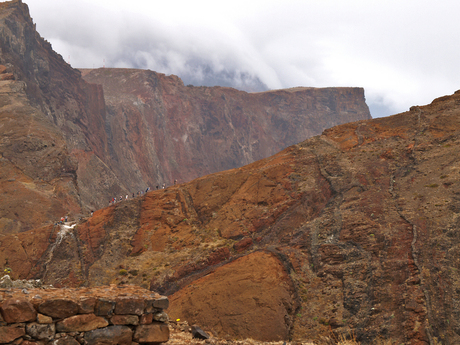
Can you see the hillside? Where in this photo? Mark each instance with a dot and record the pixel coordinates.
(354, 230)
(76, 144)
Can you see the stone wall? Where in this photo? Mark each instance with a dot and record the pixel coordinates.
(110, 315)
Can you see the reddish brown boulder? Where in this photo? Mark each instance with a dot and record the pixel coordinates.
(7, 76)
(41, 331)
(129, 305)
(125, 320)
(18, 310)
(86, 305)
(81, 323)
(10, 333)
(120, 335)
(59, 308)
(43, 319)
(146, 319)
(243, 244)
(104, 307)
(153, 333)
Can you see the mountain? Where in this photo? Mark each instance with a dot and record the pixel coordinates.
(354, 231)
(70, 145)
(161, 131)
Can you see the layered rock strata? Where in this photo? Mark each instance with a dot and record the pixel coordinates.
(183, 132)
(355, 230)
(72, 145)
(108, 315)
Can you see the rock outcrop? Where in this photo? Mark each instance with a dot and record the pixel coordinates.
(69, 146)
(161, 130)
(355, 230)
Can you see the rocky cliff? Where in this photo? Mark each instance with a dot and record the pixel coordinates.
(161, 130)
(354, 231)
(69, 145)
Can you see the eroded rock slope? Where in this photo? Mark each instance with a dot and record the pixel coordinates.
(74, 144)
(355, 230)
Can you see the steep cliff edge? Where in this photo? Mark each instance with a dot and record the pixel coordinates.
(355, 230)
(153, 129)
(65, 102)
(160, 130)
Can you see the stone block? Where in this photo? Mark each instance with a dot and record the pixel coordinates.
(44, 319)
(30, 342)
(120, 335)
(146, 319)
(7, 76)
(41, 331)
(125, 320)
(155, 333)
(152, 306)
(161, 317)
(104, 307)
(58, 308)
(129, 306)
(18, 310)
(67, 341)
(81, 323)
(87, 305)
(11, 333)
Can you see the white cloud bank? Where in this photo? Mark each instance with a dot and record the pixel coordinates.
(403, 53)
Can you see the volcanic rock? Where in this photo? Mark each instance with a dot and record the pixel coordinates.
(198, 333)
(19, 310)
(74, 145)
(353, 230)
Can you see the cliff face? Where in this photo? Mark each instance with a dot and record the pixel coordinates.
(152, 130)
(160, 130)
(59, 100)
(355, 230)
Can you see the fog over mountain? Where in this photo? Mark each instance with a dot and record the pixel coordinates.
(401, 53)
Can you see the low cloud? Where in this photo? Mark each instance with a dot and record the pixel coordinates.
(401, 53)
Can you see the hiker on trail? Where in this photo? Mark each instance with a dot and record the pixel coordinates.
(66, 219)
(92, 213)
(157, 187)
(62, 220)
(175, 181)
(164, 184)
(126, 197)
(133, 195)
(121, 197)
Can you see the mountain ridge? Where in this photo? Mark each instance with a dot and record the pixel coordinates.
(357, 229)
(119, 145)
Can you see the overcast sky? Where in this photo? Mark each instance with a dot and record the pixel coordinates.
(402, 52)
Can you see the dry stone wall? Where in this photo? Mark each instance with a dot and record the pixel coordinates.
(122, 314)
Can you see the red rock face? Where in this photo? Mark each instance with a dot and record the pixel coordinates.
(75, 145)
(254, 291)
(353, 230)
(183, 132)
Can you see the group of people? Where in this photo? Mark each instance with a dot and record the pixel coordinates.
(64, 220)
(139, 193)
(114, 200)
